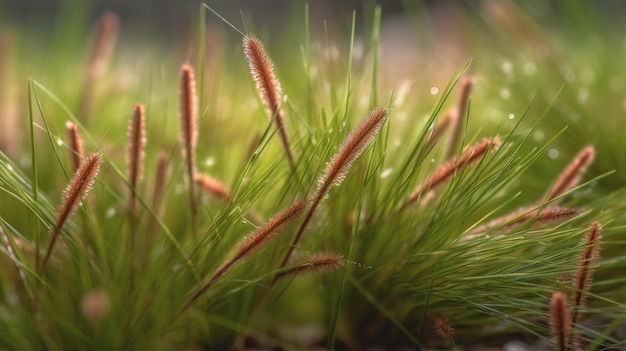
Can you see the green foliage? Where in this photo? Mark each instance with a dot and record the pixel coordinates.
(403, 267)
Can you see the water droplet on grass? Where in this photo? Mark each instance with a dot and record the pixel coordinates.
(511, 116)
(110, 212)
(529, 68)
(539, 135)
(505, 93)
(210, 161)
(386, 173)
(434, 91)
(553, 153)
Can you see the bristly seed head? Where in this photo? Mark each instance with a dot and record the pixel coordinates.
(559, 321)
(319, 262)
(136, 145)
(572, 174)
(188, 115)
(268, 87)
(76, 191)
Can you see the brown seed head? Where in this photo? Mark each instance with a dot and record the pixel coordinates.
(267, 85)
(445, 172)
(212, 185)
(317, 263)
(188, 115)
(572, 174)
(559, 320)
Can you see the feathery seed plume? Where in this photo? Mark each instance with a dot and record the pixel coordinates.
(268, 86)
(76, 191)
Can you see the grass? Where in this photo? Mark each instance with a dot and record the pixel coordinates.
(306, 198)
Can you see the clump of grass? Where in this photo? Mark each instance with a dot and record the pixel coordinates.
(419, 230)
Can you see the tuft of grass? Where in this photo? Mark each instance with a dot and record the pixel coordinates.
(457, 220)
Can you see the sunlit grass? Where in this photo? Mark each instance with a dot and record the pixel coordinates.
(185, 282)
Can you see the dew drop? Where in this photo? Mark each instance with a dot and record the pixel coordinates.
(506, 67)
(434, 91)
(385, 173)
(511, 116)
(539, 135)
(553, 153)
(210, 161)
(59, 141)
(110, 212)
(529, 68)
(505, 93)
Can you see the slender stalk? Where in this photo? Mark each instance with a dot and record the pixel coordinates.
(353, 146)
(74, 193)
(268, 87)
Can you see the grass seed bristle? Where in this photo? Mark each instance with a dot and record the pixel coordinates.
(77, 189)
(559, 320)
(268, 87)
(572, 174)
(317, 263)
(188, 126)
